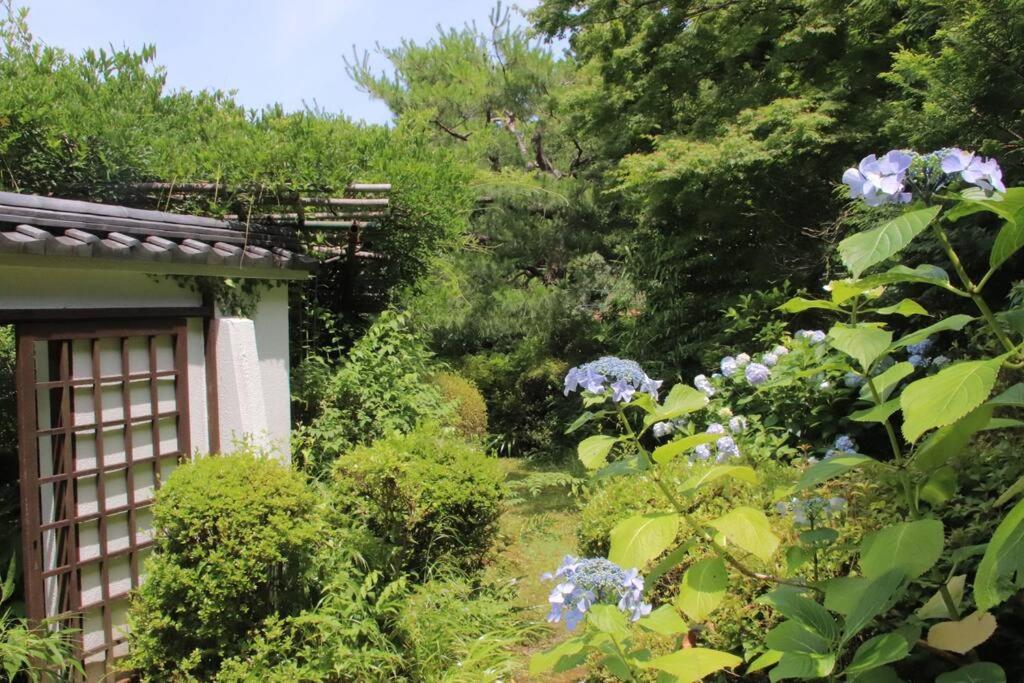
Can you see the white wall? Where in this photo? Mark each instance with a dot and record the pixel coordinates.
(271, 322)
(59, 288)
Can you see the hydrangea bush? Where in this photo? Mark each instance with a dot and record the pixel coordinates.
(925, 406)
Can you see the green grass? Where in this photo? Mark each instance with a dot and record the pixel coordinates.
(537, 530)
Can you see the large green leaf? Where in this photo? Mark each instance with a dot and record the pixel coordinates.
(742, 473)
(1005, 205)
(562, 657)
(1008, 242)
(693, 664)
(1014, 490)
(863, 250)
(703, 588)
(978, 672)
(672, 449)
(593, 450)
(802, 666)
(912, 548)
(664, 621)
(667, 563)
(872, 599)
(878, 651)
(947, 396)
(1014, 397)
(681, 400)
(608, 619)
(879, 413)
(799, 304)
(749, 529)
(923, 274)
(886, 382)
(1003, 558)
(789, 636)
(953, 323)
(843, 593)
(949, 441)
(831, 468)
(906, 308)
(638, 540)
(935, 607)
(865, 343)
(790, 603)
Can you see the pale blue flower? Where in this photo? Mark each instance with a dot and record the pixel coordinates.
(917, 360)
(727, 448)
(814, 509)
(742, 359)
(662, 429)
(701, 452)
(780, 350)
(715, 428)
(770, 359)
(852, 380)
(628, 376)
(729, 366)
(845, 443)
(811, 336)
(704, 384)
(738, 424)
(589, 581)
(940, 361)
(921, 348)
(757, 374)
(622, 391)
(985, 173)
(880, 181)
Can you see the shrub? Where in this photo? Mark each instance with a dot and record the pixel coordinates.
(382, 386)
(235, 542)
(427, 495)
(469, 411)
(452, 631)
(8, 408)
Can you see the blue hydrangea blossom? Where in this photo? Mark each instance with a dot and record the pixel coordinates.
(973, 169)
(770, 359)
(588, 581)
(738, 424)
(880, 181)
(702, 383)
(757, 374)
(811, 336)
(808, 511)
(852, 380)
(729, 366)
(626, 377)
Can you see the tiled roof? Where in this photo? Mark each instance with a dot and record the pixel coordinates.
(31, 224)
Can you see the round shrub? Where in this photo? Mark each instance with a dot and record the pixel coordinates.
(429, 496)
(469, 414)
(236, 537)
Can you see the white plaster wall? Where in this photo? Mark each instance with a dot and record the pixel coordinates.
(198, 414)
(271, 323)
(59, 288)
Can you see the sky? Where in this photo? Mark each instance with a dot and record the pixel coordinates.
(286, 51)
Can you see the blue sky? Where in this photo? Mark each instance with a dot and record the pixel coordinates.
(287, 51)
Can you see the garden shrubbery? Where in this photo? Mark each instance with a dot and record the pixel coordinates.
(431, 497)
(469, 411)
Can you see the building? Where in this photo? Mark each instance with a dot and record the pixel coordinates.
(127, 364)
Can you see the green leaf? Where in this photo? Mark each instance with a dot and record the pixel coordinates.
(681, 400)
(566, 655)
(819, 537)
(923, 274)
(586, 417)
(863, 250)
(878, 651)
(883, 674)
(638, 540)
(1009, 494)
(799, 304)
(608, 619)
(749, 529)
(741, 473)
(825, 470)
(936, 608)
(1003, 558)
(978, 672)
(703, 588)
(911, 548)
(948, 442)
(593, 450)
(945, 397)
(906, 308)
(1005, 204)
(693, 664)
(666, 452)
(939, 487)
(800, 665)
(789, 636)
(1013, 397)
(1003, 423)
(664, 621)
(953, 323)
(887, 381)
(764, 660)
(873, 599)
(791, 604)
(879, 413)
(843, 593)
(865, 343)
(1008, 242)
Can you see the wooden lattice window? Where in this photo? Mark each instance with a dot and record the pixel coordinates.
(103, 418)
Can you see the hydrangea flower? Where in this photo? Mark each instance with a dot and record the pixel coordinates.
(727, 448)
(628, 378)
(811, 336)
(702, 383)
(738, 424)
(757, 374)
(742, 359)
(725, 411)
(940, 361)
(662, 429)
(852, 380)
(588, 581)
(769, 359)
(701, 452)
(920, 348)
(917, 360)
(715, 428)
(845, 443)
(780, 350)
(880, 181)
(985, 173)
(811, 510)
(729, 366)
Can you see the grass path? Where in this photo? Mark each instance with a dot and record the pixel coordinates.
(537, 532)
